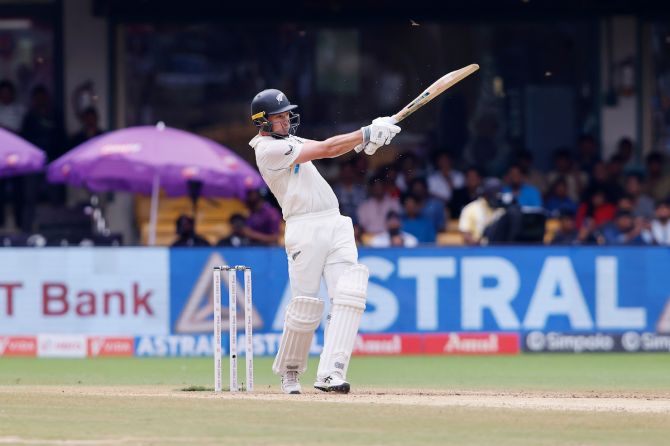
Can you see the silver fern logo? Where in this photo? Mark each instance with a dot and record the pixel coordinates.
(280, 97)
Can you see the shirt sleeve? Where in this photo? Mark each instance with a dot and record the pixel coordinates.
(535, 197)
(280, 154)
(409, 240)
(464, 222)
(379, 241)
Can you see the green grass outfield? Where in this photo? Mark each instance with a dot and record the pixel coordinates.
(140, 401)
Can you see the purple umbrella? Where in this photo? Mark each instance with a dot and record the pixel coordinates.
(18, 156)
(143, 159)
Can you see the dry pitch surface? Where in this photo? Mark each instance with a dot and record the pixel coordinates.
(594, 401)
(88, 413)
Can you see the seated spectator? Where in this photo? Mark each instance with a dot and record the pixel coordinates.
(478, 214)
(409, 168)
(11, 112)
(564, 167)
(626, 203)
(626, 151)
(186, 235)
(263, 220)
(533, 176)
(525, 194)
(238, 237)
(372, 212)
(658, 232)
(643, 205)
(415, 222)
(389, 173)
(600, 179)
(466, 194)
(445, 179)
(393, 235)
(567, 233)
(595, 210)
(624, 230)
(658, 183)
(349, 193)
(588, 153)
(615, 168)
(432, 209)
(558, 200)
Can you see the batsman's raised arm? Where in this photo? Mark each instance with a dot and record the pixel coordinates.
(370, 138)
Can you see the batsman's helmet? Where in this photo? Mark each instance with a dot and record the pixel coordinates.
(270, 102)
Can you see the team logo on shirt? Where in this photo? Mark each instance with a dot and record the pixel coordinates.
(290, 150)
(280, 97)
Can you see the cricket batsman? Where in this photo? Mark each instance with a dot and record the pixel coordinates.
(319, 241)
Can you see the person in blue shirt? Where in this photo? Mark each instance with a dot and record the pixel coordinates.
(624, 230)
(557, 199)
(432, 208)
(414, 222)
(525, 194)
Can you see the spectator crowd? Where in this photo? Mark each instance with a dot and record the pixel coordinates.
(414, 199)
(590, 201)
(410, 201)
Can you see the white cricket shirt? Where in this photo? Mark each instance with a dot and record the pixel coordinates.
(299, 188)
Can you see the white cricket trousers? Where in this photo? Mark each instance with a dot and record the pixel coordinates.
(318, 244)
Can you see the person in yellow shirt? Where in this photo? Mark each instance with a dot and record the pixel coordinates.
(480, 213)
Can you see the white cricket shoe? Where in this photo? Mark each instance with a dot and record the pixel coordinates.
(333, 383)
(290, 384)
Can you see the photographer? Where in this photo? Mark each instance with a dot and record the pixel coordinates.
(514, 223)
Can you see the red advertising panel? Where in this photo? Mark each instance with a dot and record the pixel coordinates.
(110, 346)
(387, 344)
(437, 344)
(18, 346)
(471, 343)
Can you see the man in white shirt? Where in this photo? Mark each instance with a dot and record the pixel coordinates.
(372, 211)
(442, 182)
(658, 232)
(394, 236)
(318, 240)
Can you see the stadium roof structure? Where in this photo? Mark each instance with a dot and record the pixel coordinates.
(370, 10)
